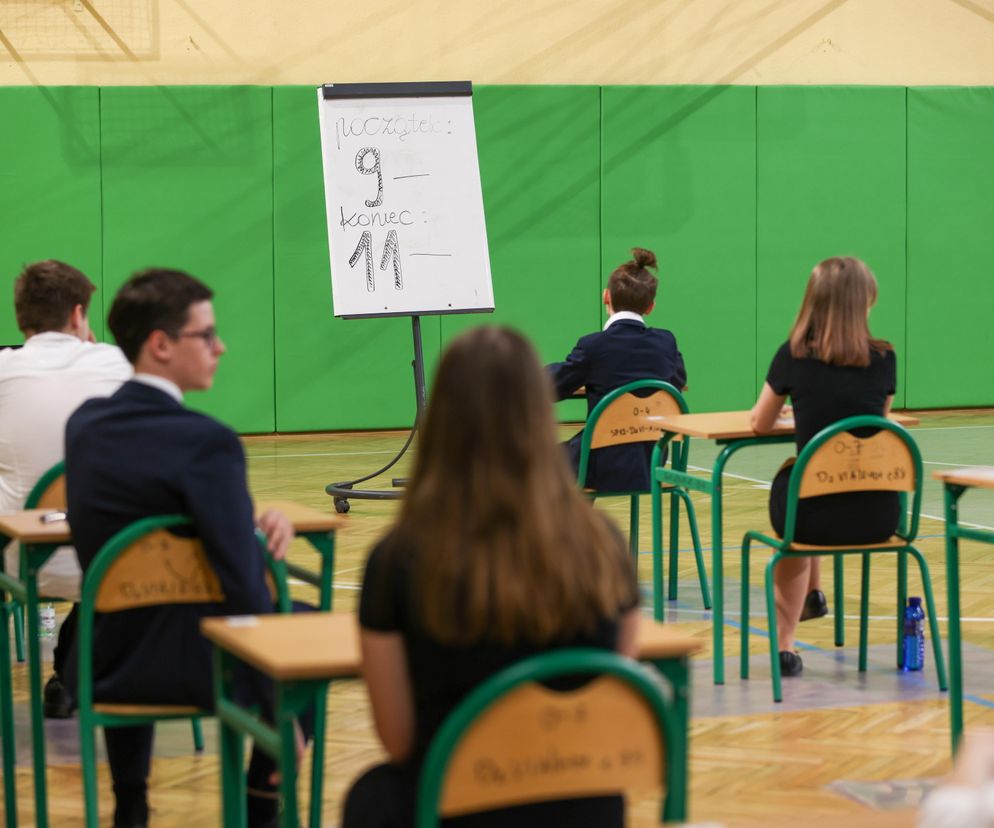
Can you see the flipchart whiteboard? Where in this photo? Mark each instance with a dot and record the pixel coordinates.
(406, 228)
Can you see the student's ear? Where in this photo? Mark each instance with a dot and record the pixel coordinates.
(606, 298)
(648, 310)
(159, 346)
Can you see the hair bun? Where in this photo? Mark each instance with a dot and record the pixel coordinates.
(643, 257)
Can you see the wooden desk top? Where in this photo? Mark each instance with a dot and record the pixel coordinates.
(304, 518)
(867, 818)
(735, 425)
(319, 645)
(981, 477)
(27, 527)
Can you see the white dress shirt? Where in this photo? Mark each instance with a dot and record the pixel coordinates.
(41, 384)
(614, 317)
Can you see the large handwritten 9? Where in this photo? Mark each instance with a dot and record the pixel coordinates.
(360, 165)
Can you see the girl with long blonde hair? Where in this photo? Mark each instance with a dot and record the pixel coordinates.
(831, 368)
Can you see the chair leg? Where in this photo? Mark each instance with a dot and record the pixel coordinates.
(198, 735)
(19, 632)
(633, 532)
(656, 497)
(902, 602)
(771, 620)
(702, 574)
(839, 574)
(7, 721)
(88, 762)
(674, 543)
(864, 610)
(933, 621)
(744, 617)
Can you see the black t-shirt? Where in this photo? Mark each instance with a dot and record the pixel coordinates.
(442, 674)
(823, 394)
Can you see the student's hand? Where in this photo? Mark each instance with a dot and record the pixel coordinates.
(278, 531)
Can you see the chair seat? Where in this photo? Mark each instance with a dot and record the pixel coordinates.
(895, 541)
(178, 710)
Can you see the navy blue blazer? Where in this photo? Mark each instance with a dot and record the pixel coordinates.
(140, 453)
(627, 351)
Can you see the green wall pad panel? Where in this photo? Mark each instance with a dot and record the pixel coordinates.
(679, 177)
(49, 188)
(950, 247)
(830, 182)
(330, 373)
(539, 149)
(187, 184)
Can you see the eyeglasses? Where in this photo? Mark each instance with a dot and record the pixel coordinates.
(209, 335)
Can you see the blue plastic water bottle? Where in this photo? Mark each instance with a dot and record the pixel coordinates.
(914, 635)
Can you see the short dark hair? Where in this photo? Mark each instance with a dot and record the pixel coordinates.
(156, 299)
(632, 286)
(45, 294)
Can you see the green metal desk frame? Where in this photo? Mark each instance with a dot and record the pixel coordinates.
(13, 591)
(954, 532)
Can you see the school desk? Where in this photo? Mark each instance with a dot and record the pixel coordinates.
(38, 541)
(303, 652)
(733, 431)
(955, 482)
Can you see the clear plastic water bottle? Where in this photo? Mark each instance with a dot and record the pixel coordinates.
(46, 620)
(914, 635)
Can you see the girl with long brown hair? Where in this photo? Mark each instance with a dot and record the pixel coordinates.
(496, 555)
(831, 368)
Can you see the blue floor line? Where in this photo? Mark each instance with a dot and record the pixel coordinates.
(977, 700)
(738, 549)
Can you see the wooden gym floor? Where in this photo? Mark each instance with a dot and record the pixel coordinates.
(839, 744)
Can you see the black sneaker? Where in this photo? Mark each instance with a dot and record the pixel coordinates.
(57, 702)
(790, 664)
(815, 605)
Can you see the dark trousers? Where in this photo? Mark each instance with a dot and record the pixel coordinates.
(384, 797)
(66, 641)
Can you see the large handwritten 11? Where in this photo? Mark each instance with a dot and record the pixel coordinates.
(391, 248)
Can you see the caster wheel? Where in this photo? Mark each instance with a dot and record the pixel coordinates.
(341, 505)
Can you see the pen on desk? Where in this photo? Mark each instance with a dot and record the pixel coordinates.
(53, 517)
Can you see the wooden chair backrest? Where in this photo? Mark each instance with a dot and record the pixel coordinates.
(846, 463)
(537, 744)
(54, 496)
(159, 568)
(631, 419)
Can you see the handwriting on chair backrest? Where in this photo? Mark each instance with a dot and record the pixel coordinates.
(846, 463)
(159, 568)
(54, 497)
(631, 419)
(537, 744)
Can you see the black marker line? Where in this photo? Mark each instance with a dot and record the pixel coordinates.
(418, 175)
(443, 255)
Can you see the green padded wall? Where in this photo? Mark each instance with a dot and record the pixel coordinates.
(679, 177)
(950, 247)
(188, 183)
(830, 181)
(49, 188)
(539, 149)
(330, 373)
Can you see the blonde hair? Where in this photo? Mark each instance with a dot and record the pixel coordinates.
(832, 323)
(505, 547)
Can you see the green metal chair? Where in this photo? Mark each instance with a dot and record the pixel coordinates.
(48, 493)
(624, 416)
(607, 736)
(143, 553)
(834, 461)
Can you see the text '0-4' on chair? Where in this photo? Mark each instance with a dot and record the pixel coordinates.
(514, 741)
(635, 413)
(836, 461)
(144, 565)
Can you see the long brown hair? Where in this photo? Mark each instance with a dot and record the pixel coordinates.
(832, 323)
(506, 548)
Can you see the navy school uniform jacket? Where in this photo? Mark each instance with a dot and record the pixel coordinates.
(627, 351)
(137, 454)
